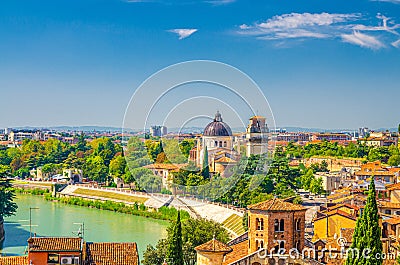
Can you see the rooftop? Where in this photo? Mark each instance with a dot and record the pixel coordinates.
(214, 246)
(276, 204)
(15, 260)
(55, 244)
(112, 254)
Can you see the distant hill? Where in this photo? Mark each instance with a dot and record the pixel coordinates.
(89, 128)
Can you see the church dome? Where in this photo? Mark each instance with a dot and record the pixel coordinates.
(217, 127)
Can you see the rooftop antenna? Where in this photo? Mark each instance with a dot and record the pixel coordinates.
(30, 220)
(81, 231)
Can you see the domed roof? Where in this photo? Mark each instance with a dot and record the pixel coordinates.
(217, 127)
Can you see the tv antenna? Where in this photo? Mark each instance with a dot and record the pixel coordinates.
(81, 231)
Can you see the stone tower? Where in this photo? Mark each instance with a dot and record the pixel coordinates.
(276, 224)
(212, 252)
(256, 135)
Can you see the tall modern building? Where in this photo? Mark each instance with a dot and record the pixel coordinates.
(158, 130)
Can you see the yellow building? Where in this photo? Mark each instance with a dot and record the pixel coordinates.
(329, 224)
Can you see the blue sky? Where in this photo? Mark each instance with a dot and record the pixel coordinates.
(325, 64)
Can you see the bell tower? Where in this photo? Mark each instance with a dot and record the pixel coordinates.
(257, 136)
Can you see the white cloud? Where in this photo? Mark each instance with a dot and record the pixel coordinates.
(183, 33)
(363, 40)
(396, 43)
(383, 27)
(220, 2)
(244, 26)
(296, 25)
(343, 27)
(296, 20)
(389, 1)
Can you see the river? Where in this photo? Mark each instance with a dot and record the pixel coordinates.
(57, 219)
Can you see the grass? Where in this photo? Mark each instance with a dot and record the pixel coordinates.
(110, 195)
(234, 223)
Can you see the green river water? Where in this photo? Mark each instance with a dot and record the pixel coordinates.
(57, 219)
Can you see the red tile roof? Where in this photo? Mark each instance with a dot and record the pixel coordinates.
(276, 205)
(112, 254)
(213, 246)
(55, 244)
(393, 221)
(14, 260)
(239, 251)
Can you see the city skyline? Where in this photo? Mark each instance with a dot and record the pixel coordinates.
(320, 65)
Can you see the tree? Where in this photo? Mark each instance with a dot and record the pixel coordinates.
(95, 169)
(316, 186)
(394, 160)
(205, 172)
(5, 171)
(7, 206)
(367, 234)
(398, 129)
(117, 166)
(174, 250)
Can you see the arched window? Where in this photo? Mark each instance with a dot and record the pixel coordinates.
(282, 245)
(257, 244)
(298, 224)
(220, 143)
(276, 225)
(282, 225)
(298, 245)
(225, 145)
(261, 244)
(216, 143)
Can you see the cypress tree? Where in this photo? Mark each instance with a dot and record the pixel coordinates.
(174, 250)
(205, 172)
(367, 234)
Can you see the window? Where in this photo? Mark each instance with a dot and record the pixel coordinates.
(282, 225)
(216, 144)
(282, 245)
(220, 143)
(298, 224)
(388, 212)
(262, 244)
(260, 224)
(276, 225)
(225, 145)
(53, 258)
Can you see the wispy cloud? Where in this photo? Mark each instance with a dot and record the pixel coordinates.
(295, 25)
(183, 33)
(363, 40)
(389, 1)
(396, 44)
(343, 27)
(383, 27)
(220, 2)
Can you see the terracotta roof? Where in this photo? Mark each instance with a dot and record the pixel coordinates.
(239, 251)
(214, 246)
(225, 160)
(276, 204)
(393, 187)
(351, 197)
(165, 166)
(347, 233)
(112, 254)
(14, 260)
(354, 207)
(55, 244)
(393, 221)
(391, 205)
(336, 212)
